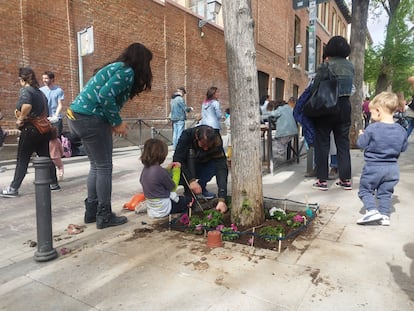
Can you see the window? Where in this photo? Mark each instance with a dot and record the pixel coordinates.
(280, 87)
(296, 38)
(202, 8)
(334, 22)
(318, 52)
(323, 13)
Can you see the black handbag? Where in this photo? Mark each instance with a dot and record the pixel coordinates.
(323, 101)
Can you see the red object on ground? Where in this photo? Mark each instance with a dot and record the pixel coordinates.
(136, 199)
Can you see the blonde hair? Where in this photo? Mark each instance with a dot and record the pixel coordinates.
(386, 100)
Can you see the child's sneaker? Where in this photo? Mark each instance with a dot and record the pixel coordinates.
(385, 221)
(320, 185)
(370, 216)
(346, 184)
(9, 192)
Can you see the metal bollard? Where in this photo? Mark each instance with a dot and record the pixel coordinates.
(45, 250)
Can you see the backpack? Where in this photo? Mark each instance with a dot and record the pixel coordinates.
(67, 148)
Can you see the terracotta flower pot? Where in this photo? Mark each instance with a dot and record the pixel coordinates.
(214, 239)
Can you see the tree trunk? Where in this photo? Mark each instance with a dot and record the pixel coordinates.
(358, 37)
(246, 167)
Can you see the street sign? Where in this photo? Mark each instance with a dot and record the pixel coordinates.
(300, 4)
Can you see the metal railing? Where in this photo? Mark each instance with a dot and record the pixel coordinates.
(141, 129)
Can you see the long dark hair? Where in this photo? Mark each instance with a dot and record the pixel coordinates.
(27, 75)
(211, 92)
(138, 57)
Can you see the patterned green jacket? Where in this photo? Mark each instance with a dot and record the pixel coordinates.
(106, 93)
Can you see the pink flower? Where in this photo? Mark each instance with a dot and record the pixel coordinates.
(199, 227)
(209, 217)
(234, 227)
(250, 241)
(298, 218)
(184, 219)
(219, 227)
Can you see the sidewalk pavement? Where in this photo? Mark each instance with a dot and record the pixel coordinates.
(341, 266)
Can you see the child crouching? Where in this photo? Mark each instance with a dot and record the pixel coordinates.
(159, 184)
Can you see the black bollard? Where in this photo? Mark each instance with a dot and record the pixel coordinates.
(45, 250)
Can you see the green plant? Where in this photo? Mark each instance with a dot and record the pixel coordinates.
(229, 233)
(295, 220)
(210, 219)
(271, 233)
(279, 216)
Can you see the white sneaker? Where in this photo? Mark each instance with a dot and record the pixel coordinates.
(370, 216)
(385, 221)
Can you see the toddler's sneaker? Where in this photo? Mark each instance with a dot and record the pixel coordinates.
(320, 185)
(9, 192)
(369, 217)
(385, 221)
(344, 184)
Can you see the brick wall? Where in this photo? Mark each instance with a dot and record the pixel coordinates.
(42, 34)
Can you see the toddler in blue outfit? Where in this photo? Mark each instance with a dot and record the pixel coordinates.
(382, 142)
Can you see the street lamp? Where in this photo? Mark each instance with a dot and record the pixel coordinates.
(298, 52)
(213, 7)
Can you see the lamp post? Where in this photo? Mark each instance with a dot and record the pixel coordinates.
(298, 52)
(213, 8)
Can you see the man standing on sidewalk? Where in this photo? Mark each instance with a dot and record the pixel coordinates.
(178, 114)
(55, 96)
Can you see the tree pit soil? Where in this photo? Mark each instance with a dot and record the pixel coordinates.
(247, 235)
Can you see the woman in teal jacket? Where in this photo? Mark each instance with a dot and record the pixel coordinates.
(95, 114)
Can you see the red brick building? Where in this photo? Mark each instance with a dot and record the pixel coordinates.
(43, 35)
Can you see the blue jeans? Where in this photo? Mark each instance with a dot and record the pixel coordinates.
(410, 126)
(96, 137)
(178, 128)
(205, 172)
(334, 161)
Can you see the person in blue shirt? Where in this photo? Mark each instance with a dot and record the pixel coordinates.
(95, 114)
(382, 142)
(211, 114)
(55, 97)
(178, 113)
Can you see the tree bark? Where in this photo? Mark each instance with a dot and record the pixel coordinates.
(357, 57)
(246, 169)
